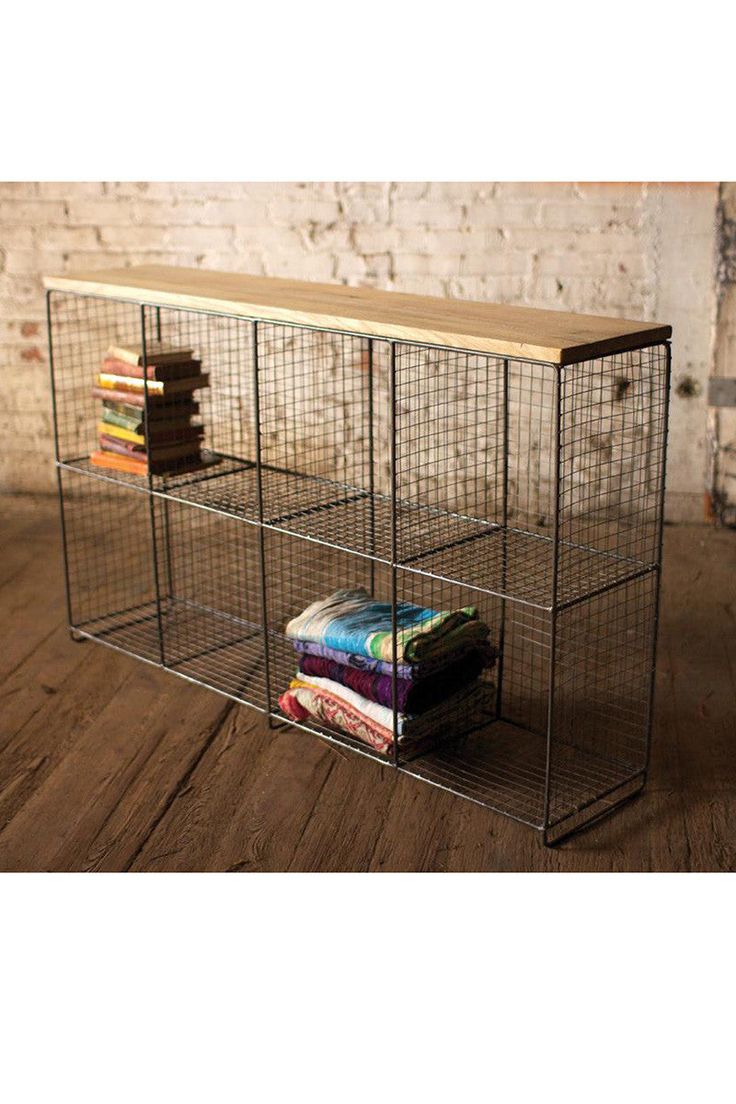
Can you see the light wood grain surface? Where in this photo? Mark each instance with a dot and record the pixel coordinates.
(553, 336)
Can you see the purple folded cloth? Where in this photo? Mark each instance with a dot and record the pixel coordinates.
(409, 671)
(414, 696)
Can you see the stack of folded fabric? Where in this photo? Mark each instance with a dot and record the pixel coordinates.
(146, 425)
(345, 650)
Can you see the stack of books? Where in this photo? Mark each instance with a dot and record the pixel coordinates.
(146, 426)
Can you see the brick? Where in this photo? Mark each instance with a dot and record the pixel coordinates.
(581, 216)
(20, 289)
(99, 212)
(235, 212)
(176, 189)
(17, 189)
(198, 237)
(618, 240)
(434, 215)
(112, 211)
(31, 212)
(318, 238)
(503, 213)
(33, 261)
(17, 235)
(429, 264)
(305, 267)
(575, 263)
(369, 205)
(68, 237)
(369, 239)
(132, 237)
(495, 262)
(300, 209)
(33, 353)
(450, 192)
(536, 190)
(49, 189)
(267, 238)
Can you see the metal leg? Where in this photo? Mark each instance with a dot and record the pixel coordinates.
(59, 486)
(505, 521)
(394, 586)
(151, 506)
(371, 464)
(660, 525)
(261, 535)
(557, 414)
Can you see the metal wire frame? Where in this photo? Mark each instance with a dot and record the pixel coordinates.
(527, 770)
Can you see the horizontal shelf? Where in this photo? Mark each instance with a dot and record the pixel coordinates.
(205, 646)
(503, 767)
(510, 563)
(500, 766)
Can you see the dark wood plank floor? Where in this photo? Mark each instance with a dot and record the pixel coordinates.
(109, 764)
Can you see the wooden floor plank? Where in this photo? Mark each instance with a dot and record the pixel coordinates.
(120, 759)
(110, 764)
(247, 803)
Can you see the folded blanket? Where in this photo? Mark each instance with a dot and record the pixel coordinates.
(340, 708)
(411, 671)
(413, 696)
(352, 621)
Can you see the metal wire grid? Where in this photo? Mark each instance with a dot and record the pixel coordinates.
(612, 440)
(81, 329)
(602, 682)
(535, 757)
(109, 564)
(475, 446)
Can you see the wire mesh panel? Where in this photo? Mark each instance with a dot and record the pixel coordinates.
(515, 505)
(212, 617)
(196, 416)
(110, 564)
(612, 440)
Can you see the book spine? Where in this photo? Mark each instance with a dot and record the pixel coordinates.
(129, 383)
(127, 397)
(120, 434)
(123, 421)
(119, 367)
(112, 460)
(115, 444)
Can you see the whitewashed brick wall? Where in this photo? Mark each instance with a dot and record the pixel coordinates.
(636, 250)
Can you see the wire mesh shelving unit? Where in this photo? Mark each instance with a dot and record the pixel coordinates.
(443, 454)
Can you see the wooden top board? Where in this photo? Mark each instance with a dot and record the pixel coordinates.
(547, 335)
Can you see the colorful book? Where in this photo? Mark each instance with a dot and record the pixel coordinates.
(133, 466)
(162, 372)
(156, 453)
(120, 433)
(132, 421)
(164, 417)
(115, 462)
(158, 405)
(114, 382)
(125, 448)
(160, 436)
(155, 354)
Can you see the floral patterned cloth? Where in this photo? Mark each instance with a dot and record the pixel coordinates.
(355, 716)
